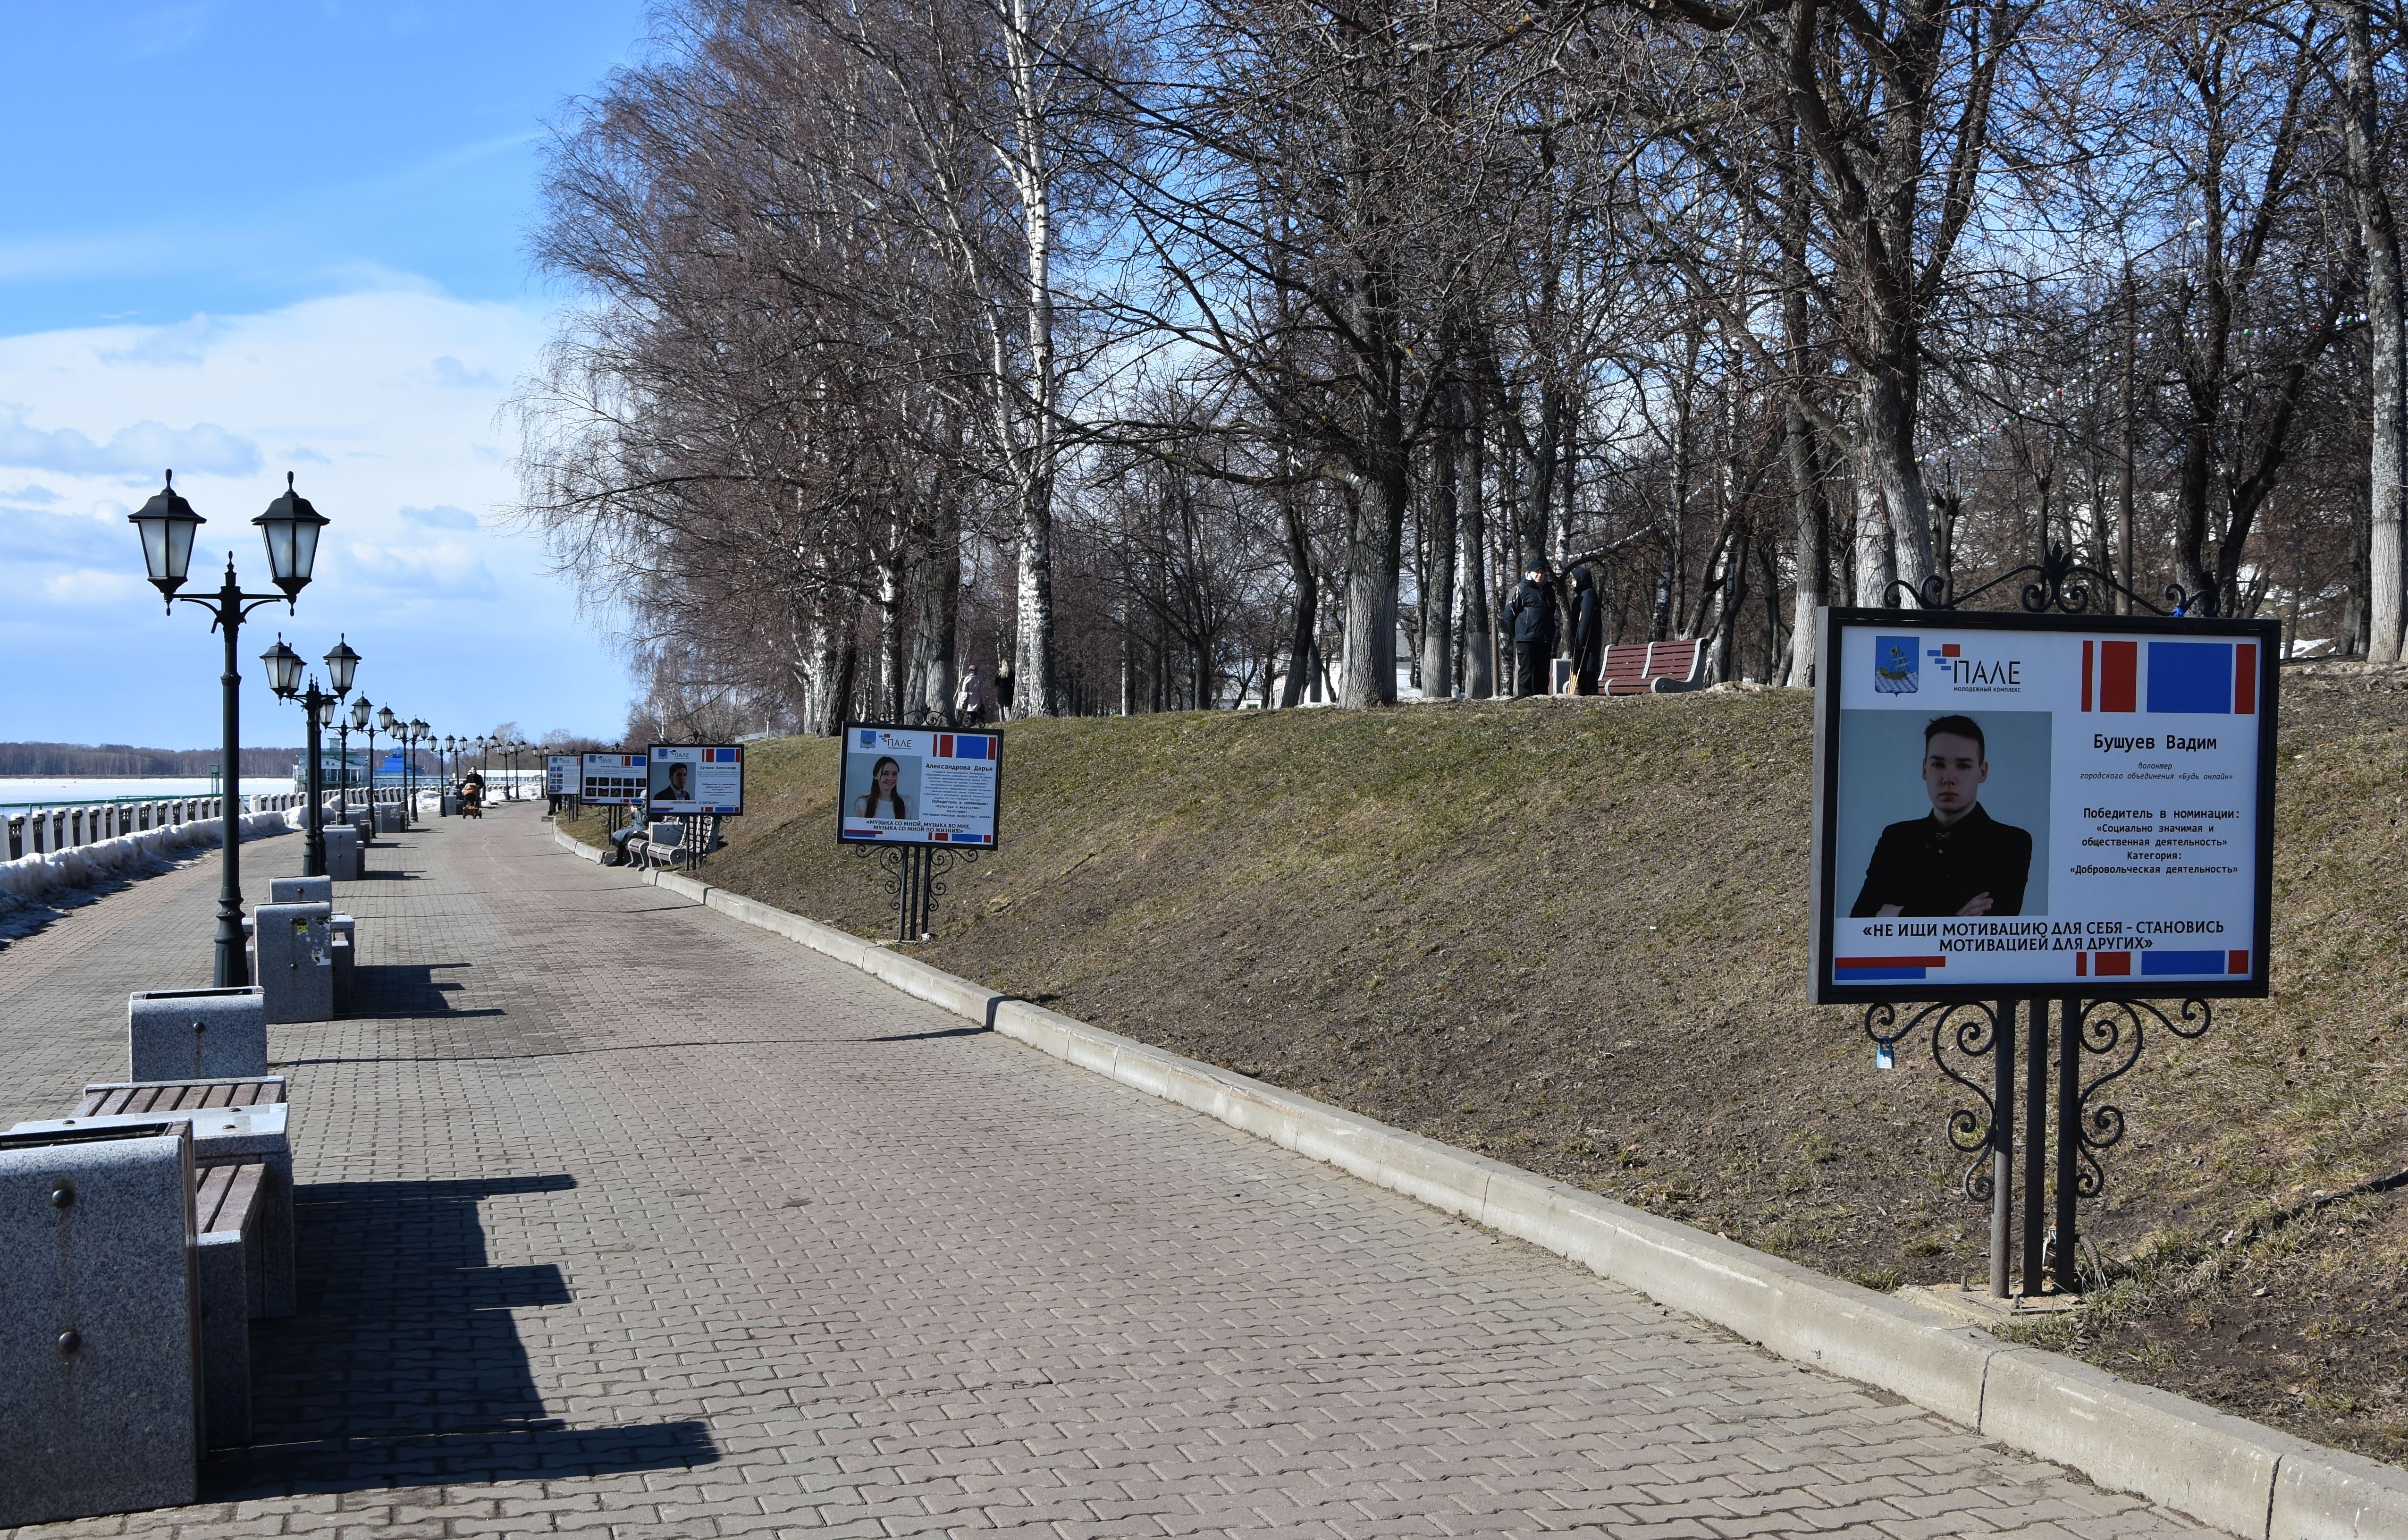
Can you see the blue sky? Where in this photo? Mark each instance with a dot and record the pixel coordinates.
(247, 238)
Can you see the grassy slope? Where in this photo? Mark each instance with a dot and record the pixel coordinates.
(1572, 934)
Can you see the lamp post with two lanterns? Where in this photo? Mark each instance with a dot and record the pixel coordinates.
(419, 732)
(392, 726)
(344, 725)
(284, 667)
(289, 528)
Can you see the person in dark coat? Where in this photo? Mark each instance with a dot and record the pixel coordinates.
(1957, 860)
(1531, 620)
(1588, 633)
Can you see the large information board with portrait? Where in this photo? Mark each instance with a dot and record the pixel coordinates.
(688, 779)
(918, 786)
(611, 779)
(2010, 805)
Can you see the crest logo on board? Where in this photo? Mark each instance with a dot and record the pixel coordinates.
(1896, 669)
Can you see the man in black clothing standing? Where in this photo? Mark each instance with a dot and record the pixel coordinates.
(1532, 619)
(1589, 635)
(1957, 860)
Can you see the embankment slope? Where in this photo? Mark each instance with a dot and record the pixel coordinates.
(1572, 934)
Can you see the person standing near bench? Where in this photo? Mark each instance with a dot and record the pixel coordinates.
(1588, 633)
(970, 707)
(1531, 616)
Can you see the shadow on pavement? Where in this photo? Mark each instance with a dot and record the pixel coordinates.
(404, 1367)
(407, 989)
(923, 1037)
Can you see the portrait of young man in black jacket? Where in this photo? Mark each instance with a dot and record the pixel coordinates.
(1957, 860)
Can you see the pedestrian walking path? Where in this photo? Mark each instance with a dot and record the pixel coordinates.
(622, 1219)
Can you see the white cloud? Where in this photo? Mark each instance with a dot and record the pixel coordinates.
(88, 585)
(145, 449)
(452, 374)
(416, 568)
(448, 568)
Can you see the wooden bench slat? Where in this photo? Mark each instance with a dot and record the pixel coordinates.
(209, 1195)
(237, 1188)
(217, 1096)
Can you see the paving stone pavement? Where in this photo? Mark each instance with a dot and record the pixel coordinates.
(622, 1219)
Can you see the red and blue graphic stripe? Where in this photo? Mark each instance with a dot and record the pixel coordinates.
(2181, 678)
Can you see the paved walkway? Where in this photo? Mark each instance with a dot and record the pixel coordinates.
(622, 1219)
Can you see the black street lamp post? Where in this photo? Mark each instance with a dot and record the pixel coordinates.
(283, 676)
(342, 666)
(364, 720)
(392, 727)
(344, 726)
(418, 732)
(289, 529)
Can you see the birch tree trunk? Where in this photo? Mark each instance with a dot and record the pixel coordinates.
(1438, 589)
(1479, 627)
(1038, 441)
(1814, 513)
(1876, 557)
(2362, 142)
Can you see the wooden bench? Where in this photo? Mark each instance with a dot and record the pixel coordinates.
(273, 1284)
(1653, 668)
(159, 1096)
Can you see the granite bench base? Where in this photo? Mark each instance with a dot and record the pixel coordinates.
(99, 1345)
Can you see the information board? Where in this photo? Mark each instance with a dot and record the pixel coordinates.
(2020, 804)
(914, 785)
(691, 778)
(611, 777)
(562, 775)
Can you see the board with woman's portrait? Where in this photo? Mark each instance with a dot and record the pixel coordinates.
(917, 786)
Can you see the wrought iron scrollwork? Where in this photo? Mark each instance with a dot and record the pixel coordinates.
(1963, 1033)
(2057, 582)
(2112, 1032)
(914, 878)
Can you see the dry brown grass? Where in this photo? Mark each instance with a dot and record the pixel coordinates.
(1572, 934)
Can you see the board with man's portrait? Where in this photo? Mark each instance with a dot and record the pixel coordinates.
(2012, 804)
(688, 780)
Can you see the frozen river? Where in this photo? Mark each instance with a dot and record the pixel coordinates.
(18, 792)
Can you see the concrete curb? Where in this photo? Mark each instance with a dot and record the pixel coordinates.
(2239, 1475)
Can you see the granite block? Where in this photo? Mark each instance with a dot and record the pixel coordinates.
(221, 1283)
(343, 843)
(195, 1035)
(301, 890)
(295, 961)
(99, 1346)
(387, 818)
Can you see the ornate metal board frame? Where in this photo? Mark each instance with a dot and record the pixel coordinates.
(1824, 905)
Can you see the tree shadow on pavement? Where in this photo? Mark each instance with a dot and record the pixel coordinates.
(403, 1366)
